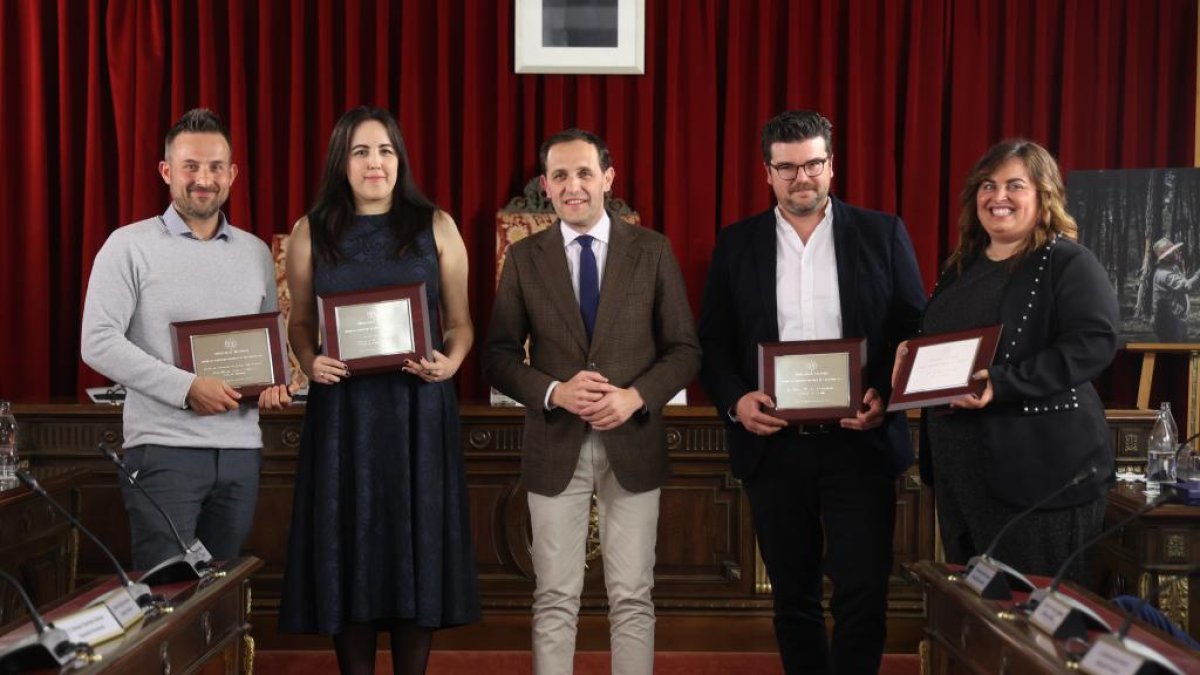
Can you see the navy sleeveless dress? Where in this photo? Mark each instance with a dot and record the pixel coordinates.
(380, 527)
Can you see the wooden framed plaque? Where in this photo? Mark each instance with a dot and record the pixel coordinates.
(376, 330)
(937, 368)
(248, 352)
(813, 380)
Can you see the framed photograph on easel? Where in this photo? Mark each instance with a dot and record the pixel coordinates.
(1144, 227)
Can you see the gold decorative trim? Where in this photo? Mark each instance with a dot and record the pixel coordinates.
(1173, 598)
(1176, 547)
(923, 650)
(1193, 418)
(534, 200)
(1130, 446)
(762, 582)
(247, 654)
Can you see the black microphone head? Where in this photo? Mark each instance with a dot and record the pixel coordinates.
(108, 452)
(28, 480)
(1085, 474)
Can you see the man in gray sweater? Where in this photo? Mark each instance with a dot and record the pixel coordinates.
(188, 439)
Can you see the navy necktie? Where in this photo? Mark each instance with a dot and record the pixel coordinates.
(589, 284)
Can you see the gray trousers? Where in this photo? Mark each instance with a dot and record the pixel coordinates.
(209, 493)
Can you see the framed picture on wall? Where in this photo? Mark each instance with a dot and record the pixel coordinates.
(580, 36)
(1144, 226)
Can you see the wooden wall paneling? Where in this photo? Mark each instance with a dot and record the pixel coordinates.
(705, 577)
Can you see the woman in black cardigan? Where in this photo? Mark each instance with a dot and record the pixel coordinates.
(1038, 422)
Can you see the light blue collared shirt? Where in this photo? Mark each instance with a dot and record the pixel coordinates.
(175, 225)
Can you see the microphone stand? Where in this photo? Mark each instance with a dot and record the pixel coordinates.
(1133, 657)
(1059, 614)
(127, 613)
(48, 647)
(192, 562)
(994, 580)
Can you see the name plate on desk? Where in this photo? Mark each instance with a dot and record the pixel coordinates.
(1050, 615)
(1107, 657)
(248, 352)
(988, 581)
(92, 626)
(375, 330)
(1064, 617)
(121, 605)
(813, 380)
(938, 368)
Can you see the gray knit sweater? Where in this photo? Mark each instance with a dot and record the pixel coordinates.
(147, 276)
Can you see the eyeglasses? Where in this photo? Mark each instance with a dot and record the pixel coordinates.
(812, 168)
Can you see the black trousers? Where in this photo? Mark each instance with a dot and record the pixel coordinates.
(826, 505)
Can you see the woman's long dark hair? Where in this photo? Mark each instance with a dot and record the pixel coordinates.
(333, 209)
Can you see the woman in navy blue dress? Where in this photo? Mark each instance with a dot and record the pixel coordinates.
(380, 538)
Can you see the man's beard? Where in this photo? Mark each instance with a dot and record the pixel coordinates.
(193, 210)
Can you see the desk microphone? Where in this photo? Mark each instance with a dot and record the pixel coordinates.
(139, 593)
(192, 562)
(1063, 616)
(48, 647)
(993, 579)
(1123, 652)
(1151, 597)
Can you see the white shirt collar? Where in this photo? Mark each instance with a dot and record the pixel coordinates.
(600, 231)
(782, 225)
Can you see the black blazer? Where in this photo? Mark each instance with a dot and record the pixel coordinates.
(1046, 423)
(882, 299)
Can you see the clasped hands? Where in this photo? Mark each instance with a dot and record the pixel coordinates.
(596, 401)
(751, 412)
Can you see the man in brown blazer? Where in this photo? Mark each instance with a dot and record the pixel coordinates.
(611, 339)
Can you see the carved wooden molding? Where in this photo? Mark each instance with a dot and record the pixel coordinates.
(534, 200)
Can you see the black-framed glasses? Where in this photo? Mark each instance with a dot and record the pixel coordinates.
(812, 168)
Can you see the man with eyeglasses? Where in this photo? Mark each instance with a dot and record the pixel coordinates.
(814, 268)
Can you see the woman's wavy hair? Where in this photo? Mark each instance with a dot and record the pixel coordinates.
(333, 210)
(1052, 200)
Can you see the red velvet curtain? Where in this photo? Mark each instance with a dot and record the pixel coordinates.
(917, 90)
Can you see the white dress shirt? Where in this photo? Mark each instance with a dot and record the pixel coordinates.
(600, 233)
(809, 305)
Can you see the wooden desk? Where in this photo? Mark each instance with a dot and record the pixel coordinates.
(966, 633)
(207, 631)
(1157, 549)
(711, 591)
(37, 544)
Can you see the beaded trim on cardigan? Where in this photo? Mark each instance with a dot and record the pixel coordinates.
(1026, 406)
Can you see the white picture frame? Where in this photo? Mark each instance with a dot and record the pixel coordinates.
(533, 26)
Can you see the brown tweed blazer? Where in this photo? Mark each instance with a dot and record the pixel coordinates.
(644, 337)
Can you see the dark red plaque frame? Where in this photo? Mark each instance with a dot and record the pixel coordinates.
(855, 348)
(419, 308)
(989, 339)
(183, 331)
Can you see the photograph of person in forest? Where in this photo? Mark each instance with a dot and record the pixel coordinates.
(1144, 226)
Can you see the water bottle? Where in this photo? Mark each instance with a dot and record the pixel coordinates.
(8, 447)
(1160, 465)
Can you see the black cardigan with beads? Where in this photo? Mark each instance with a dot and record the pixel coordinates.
(1046, 423)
